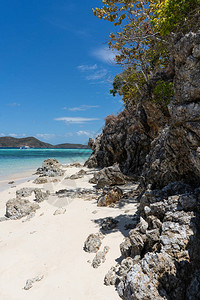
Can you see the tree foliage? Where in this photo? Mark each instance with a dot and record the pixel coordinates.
(128, 84)
(176, 16)
(142, 38)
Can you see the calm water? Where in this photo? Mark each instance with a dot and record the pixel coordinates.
(18, 160)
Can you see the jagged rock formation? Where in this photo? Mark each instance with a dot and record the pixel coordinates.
(163, 248)
(175, 153)
(169, 145)
(127, 137)
(161, 255)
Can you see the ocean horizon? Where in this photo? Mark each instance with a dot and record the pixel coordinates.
(15, 160)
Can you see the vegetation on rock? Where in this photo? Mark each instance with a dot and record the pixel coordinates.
(142, 41)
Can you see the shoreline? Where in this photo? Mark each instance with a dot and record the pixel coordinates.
(50, 247)
(18, 178)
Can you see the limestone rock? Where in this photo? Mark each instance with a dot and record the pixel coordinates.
(51, 168)
(119, 272)
(109, 224)
(75, 164)
(41, 180)
(77, 175)
(109, 176)
(18, 208)
(142, 281)
(41, 196)
(24, 192)
(126, 138)
(100, 257)
(110, 196)
(93, 243)
(30, 282)
(60, 211)
(175, 153)
(126, 247)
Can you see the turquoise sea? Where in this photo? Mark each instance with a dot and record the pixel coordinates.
(14, 161)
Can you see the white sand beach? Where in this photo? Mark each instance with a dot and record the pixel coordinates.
(52, 245)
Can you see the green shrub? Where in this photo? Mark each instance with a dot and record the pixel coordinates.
(163, 92)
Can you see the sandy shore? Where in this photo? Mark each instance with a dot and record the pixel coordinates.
(52, 245)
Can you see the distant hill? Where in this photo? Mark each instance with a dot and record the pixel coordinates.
(11, 142)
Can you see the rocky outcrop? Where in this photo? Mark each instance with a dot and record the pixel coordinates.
(175, 153)
(163, 248)
(126, 138)
(161, 257)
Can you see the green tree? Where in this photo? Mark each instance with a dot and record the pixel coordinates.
(142, 40)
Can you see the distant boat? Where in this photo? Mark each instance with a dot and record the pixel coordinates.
(24, 147)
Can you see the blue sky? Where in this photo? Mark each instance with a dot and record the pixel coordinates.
(56, 70)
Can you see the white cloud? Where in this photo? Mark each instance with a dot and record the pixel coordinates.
(17, 135)
(83, 132)
(2, 134)
(93, 73)
(105, 54)
(81, 107)
(97, 75)
(75, 120)
(45, 136)
(84, 68)
(14, 104)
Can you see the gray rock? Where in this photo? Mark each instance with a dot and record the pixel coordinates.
(142, 280)
(18, 208)
(41, 180)
(79, 174)
(109, 224)
(51, 168)
(110, 196)
(11, 182)
(60, 211)
(142, 226)
(175, 153)
(137, 240)
(100, 257)
(93, 243)
(126, 247)
(24, 192)
(41, 196)
(109, 176)
(30, 282)
(76, 164)
(29, 217)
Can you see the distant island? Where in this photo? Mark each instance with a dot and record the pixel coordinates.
(32, 142)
